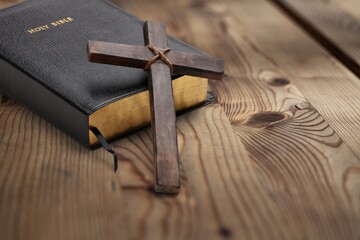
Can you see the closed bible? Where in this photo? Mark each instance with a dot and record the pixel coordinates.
(44, 65)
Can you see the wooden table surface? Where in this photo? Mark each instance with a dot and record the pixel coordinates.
(276, 157)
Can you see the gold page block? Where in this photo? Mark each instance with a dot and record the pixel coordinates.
(133, 112)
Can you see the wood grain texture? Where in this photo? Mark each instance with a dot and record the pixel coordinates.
(334, 26)
(46, 190)
(139, 56)
(163, 119)
(262, 163)
(273, 120)
(329, 86)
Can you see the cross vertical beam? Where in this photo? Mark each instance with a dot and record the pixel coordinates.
(163, 126)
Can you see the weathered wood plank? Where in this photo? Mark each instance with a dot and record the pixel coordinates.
(332, 25)
(204, 207)
(50, 186)
(295, 184)
(329, 86)
(163, 118)
(138, 57)
(283, 191)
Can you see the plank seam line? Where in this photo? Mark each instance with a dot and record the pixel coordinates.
(320, 38)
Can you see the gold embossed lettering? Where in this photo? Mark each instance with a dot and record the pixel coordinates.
(38, 29)
(53, 24)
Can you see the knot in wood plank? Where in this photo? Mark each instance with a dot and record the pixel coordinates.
(264, 119)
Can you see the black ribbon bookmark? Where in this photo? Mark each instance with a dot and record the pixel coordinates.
(105, 145)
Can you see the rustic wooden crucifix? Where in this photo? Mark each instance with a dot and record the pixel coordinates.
(160, 62)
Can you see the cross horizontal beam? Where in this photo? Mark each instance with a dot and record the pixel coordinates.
(139, 56)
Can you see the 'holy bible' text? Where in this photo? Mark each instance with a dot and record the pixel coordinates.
(50, 25)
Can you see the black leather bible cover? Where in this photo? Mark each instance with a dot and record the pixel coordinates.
(44, 65)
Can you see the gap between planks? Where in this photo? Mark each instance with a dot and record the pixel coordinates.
(330, 25)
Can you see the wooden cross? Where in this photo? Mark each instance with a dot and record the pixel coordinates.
(160, 62)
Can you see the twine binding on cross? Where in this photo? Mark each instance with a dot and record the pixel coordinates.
(159, 53)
